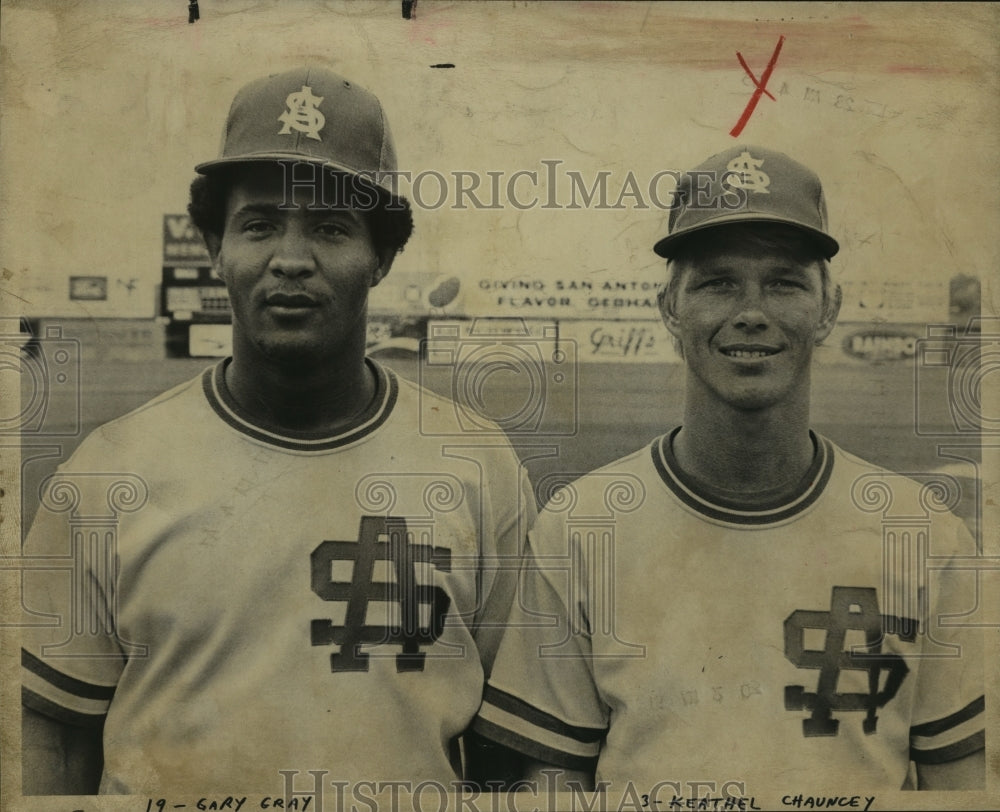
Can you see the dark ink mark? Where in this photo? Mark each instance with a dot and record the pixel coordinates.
(443, 65)
(409, 6)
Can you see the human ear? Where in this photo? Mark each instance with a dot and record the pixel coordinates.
(381, 270)
(666, 299)
(214, 244)
(831, 309)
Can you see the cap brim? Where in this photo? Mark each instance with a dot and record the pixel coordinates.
(272, 157)
(828, 244)
(208, 167)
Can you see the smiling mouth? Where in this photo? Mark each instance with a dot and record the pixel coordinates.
(749, 352)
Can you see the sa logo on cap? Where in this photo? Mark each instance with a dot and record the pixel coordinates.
(748, 174)
(303, 114)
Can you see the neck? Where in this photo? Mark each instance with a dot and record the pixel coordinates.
(745, 451)
(300, 397)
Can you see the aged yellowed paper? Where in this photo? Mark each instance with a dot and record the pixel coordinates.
(539, 144)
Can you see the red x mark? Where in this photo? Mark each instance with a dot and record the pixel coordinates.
(761, 86)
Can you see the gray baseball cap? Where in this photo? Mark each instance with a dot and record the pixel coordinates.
(748, 184)
(309, 114)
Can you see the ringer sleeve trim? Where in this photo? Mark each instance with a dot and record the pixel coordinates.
(45, 706)
(937, 726)
(534, 749)
(968, 746)
(518, 707)
(64, 682)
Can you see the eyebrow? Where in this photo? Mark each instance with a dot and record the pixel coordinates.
(272, 209)
(733, 267)
(257, 208)
(700, 271)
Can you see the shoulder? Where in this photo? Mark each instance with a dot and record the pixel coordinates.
(420, 396)
(935, 496)
(937, 488)
(440, 420)
(154, 424)
(439, 414)
(616, 488)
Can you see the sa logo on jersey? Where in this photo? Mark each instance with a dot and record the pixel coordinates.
(303, 114)
(380, 538)
(850, 608)
(745, 173)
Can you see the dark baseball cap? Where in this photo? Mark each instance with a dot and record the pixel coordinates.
(309, 114)
(748, 184)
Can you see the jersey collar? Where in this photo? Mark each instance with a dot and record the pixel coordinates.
(225, 406)
(763, 511)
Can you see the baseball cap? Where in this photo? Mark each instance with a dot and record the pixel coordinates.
(748, 184)
(308, 114)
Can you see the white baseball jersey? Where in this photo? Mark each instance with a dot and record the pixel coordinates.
(819, 640)
(233, 600)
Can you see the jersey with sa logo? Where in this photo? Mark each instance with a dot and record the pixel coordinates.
(231, 601)
(820, 641)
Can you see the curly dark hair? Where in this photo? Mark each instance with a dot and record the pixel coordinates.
(390, 218)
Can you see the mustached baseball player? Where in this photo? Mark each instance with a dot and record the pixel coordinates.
(742, 602)
(270, 567)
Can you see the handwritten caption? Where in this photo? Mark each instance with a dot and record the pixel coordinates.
(739, 802)
(232, 802)
(651, 801)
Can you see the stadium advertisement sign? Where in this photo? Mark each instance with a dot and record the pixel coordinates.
(880, 343)
(630, 342)
(585, 340)
(181, 241)
(564, 296)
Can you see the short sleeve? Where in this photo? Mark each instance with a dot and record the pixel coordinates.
(71, 659)
(514, 511)
(542, 699)
(948, 720)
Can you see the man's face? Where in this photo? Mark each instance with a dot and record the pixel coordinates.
(748, 319)
(298, 277)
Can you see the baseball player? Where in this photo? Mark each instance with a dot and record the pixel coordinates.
(743, 605)
(269, 567)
